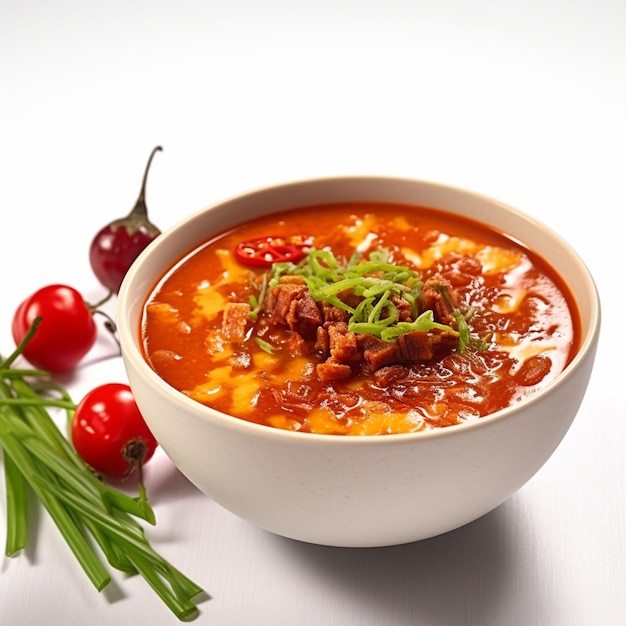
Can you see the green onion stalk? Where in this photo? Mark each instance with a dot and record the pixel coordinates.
(98, 522)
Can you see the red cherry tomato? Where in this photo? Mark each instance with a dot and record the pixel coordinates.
(264, 251)
(67, 330)
(109, 432)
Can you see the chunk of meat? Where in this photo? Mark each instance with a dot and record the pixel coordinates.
(279, 299)
(343, 344)
(303, 316)
(411, 347)
(331, 369)
(439, 296)
(322, 340)
(331, 313)
(235, 321)
(290, 304)
(389, 374)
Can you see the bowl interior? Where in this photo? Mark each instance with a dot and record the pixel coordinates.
(201, 225)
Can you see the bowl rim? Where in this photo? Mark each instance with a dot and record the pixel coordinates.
(585, 350)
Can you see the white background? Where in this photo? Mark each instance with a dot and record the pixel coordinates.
(523, 101)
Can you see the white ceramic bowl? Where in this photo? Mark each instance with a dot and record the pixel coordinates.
(357, 491)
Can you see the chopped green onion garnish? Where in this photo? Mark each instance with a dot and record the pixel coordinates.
(267, 347)
(381, 286)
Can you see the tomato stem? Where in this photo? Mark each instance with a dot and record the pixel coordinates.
(110, 325)
(94, 307)
(140, 210)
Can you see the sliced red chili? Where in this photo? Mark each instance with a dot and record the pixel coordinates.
(263, 251)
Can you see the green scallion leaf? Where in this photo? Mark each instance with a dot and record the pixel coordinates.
(264, 345)
(88, 513)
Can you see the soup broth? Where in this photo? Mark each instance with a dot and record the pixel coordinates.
(360, 319)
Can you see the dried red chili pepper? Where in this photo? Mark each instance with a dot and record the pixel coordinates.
(263, 251)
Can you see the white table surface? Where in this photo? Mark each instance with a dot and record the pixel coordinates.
(523, 101)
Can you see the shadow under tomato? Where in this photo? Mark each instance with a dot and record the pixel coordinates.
(457, 578)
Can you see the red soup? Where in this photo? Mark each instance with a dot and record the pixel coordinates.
(360, 319)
